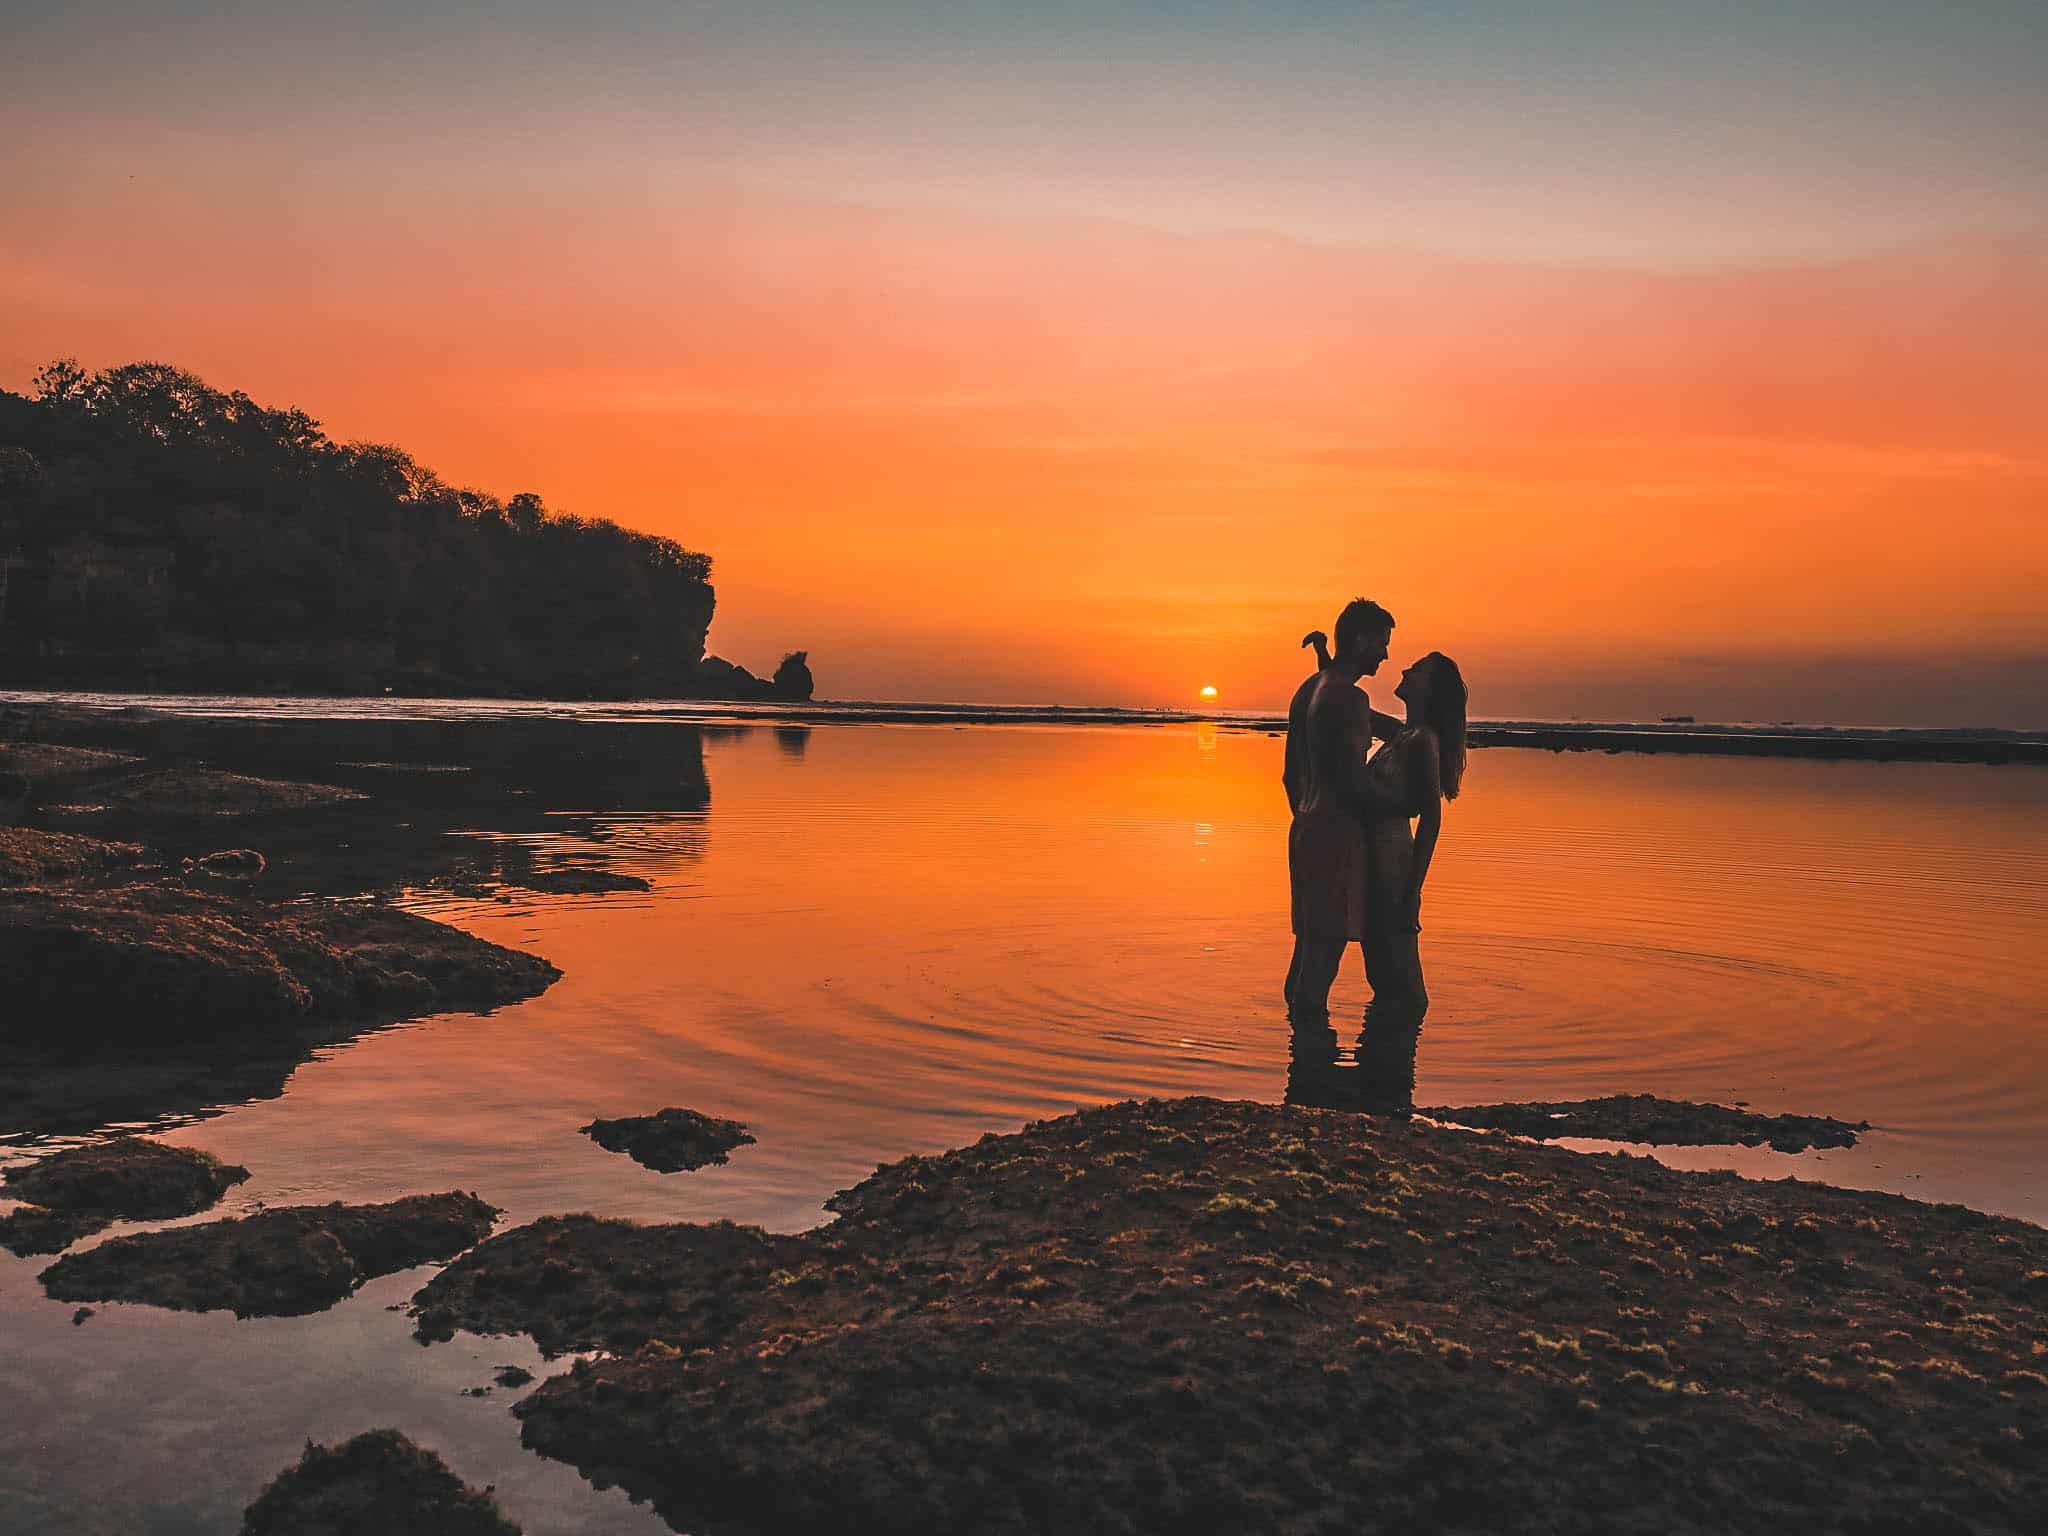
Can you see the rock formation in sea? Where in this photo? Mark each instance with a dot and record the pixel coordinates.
(670, 1140)
(75, 1193)
(282, 1262)
(793, 680)
(377, 1484)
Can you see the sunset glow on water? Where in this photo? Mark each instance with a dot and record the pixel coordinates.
(881, 940)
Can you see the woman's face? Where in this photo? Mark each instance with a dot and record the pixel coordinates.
(1414, 685)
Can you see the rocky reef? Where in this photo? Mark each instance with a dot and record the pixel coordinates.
(377, 1484)
(29, 856)
(670, 1140)
(283, 1262)
(1655, 1122)
(78, 1192)
(150, 962)
(1197, 1315)
(177, 931)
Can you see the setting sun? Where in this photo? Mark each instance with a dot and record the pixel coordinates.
(1208, 690)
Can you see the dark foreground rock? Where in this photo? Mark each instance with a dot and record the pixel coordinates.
(378, 1484)
(29, 856)
(80, 1191)
(578, 880)
(150, 964)
(201, 791)
(586, 1282)
(670, 1140)
(277, 1263)
(1651, 1121)
(31, 1229)
(1202, 1316)
(129, 1177)
(49, 765)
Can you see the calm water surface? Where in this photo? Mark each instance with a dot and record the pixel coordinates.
(867, 941)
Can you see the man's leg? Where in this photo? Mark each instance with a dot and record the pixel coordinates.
(1320, 959)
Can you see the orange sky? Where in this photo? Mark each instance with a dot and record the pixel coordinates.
(1047, 455)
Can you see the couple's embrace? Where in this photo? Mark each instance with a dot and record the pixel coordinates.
(1354, 865)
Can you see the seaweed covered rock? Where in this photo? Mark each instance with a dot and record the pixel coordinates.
(670, 1140)
(227, 864)
(578, 880)
(1195, 1315)
(130, 1177)
(587, 1282)
(30, 856)
(377, 1484)
(277, 1263)
(1651, 1121)
(148, 964)
(51, 766)
(196, 791)
(77, 1192)
(32, 1229)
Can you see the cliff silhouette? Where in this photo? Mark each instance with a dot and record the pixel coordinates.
(158, 533)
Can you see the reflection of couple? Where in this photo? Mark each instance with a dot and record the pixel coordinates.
(1354, 866)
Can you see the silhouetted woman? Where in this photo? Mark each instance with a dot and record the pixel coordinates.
(1420, 768)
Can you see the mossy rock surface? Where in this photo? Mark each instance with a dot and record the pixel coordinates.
(1193, 1315)
(149, 964)
(32, 1229)
(29, 855)
(377, 1484)
(80, 1191)
(284, 1262)
(670, 1140)
(130, 1177)
(1655, 1122)
(200, 791)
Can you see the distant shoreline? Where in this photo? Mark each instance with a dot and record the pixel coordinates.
(1832, 743)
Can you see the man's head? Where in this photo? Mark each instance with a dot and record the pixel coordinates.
(1363, 630)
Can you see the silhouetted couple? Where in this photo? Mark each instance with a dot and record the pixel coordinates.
(1355, 866)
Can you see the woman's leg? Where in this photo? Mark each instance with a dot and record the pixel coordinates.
(1393, 1021)
(1313, 1077)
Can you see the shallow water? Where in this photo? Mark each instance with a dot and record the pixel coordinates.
(867, 941)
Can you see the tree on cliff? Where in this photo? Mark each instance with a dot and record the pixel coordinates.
(250, 549)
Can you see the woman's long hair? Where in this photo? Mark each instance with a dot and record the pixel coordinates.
(1447, 700)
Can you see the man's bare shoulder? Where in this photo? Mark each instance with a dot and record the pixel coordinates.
(1298, 705)
(1331, 699)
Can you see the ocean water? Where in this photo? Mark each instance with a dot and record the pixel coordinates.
(868, 940)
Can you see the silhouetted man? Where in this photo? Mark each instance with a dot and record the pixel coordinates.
(1331, 724)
